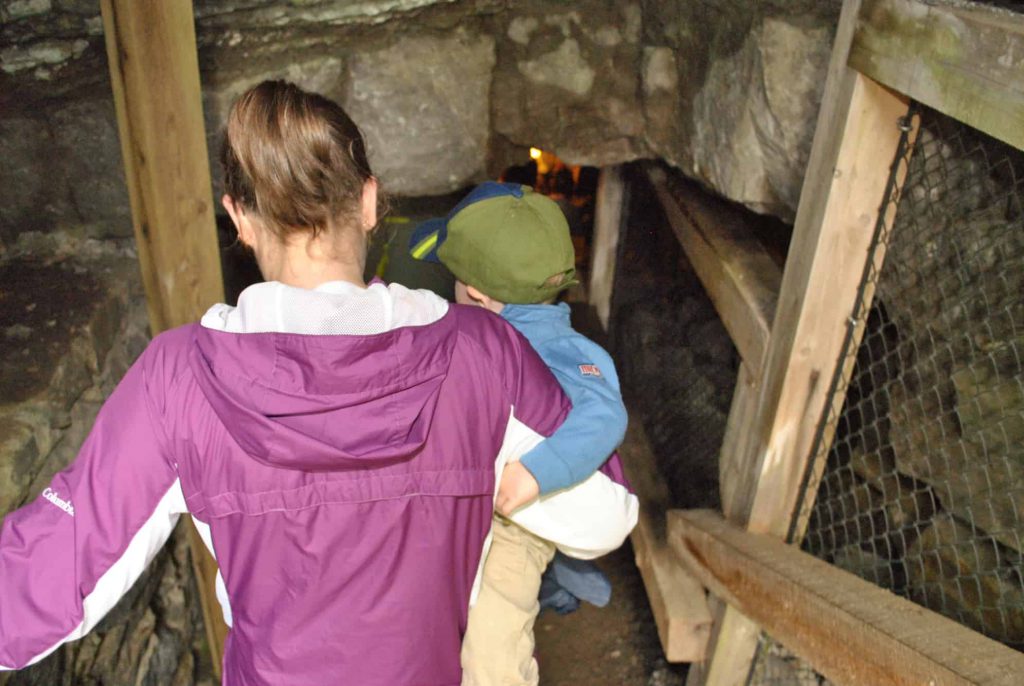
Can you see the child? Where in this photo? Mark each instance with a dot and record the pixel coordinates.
(511, 251)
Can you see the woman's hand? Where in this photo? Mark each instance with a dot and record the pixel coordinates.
(517, 488)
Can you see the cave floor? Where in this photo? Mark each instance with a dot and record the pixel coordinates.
(612, 646)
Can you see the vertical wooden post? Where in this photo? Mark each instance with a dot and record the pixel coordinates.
(855, 142)
(608, 217)
(154, 71)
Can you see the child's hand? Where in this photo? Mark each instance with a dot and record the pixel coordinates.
(517, 488)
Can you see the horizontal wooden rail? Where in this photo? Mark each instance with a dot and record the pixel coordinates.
(739, 275)
(967, 62)
(850, 630)
(678, 600)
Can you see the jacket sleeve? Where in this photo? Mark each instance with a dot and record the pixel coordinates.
(69, 555)
(594, 427)
(586, 521)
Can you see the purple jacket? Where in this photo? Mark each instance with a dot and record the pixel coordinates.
(347, 483)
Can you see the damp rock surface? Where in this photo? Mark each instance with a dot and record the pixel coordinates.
(449, 92)
(74, 318)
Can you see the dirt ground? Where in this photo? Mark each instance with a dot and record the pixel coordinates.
(612, 646)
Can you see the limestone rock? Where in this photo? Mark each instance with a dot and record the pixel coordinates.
(568, 82)
(750, 77)
(272, 13)
(19, 452)
(754, 118)
(33, 189)
(866, 564)
(16, 9)
(423, 105)
(562, 68)
(86, 135)
(980, 486)
(969, 578)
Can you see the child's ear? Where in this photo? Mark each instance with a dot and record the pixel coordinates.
(477, 297)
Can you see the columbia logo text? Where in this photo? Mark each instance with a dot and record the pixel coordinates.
(54, 497)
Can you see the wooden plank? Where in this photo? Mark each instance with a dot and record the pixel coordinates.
(819, 290)
(854, 144)
(835, 403)
(739, 275)
(608, 217)
(730, 459)
(967, 62)
(850, 630)
(678, 601)
(154, 70)
(834, 228)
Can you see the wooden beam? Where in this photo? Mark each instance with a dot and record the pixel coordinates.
(816, 468)
(608, 218)
(834, 228)
(739, 275)
(678, 601)
(154, 70)
(848, 629)
(731, 458)
(854, 146)
(824, 270)
(967, 62)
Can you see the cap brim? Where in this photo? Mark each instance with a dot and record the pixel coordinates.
(426, 239)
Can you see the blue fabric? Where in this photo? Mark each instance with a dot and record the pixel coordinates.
(597, 423)
(567, 581)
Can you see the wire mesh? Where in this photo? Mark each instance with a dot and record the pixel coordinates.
(920, 491)
(775, 665)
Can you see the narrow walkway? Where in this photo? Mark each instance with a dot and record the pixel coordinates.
(612, 646)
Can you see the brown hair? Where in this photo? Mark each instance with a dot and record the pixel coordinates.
(294, 158)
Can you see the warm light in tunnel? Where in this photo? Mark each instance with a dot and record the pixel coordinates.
(535, 153)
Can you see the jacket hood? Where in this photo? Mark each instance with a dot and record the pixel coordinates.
(326, 403)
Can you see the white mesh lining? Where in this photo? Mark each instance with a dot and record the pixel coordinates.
(333, 308)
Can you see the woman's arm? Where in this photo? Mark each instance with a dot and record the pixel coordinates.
(593, 429)
(68, 556)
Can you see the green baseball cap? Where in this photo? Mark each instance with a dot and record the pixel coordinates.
(504, 239)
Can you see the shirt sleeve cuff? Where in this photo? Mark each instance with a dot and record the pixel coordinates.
(550, 471)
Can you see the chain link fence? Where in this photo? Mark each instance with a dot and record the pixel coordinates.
(917, 483)
(774, 665)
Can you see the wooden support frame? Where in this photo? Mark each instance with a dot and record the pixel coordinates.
(678, 600)
(850, 630)
(612, 198)
(819, 288)
(154, 70)
(967, 62)
(738, 274)
(854, 146)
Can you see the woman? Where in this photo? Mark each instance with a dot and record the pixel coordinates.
(337, 444)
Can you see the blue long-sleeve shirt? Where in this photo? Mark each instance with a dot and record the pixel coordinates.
(596, 424)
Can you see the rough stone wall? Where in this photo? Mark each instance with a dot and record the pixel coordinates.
(447, 91)
(732, 90)
(74, 320)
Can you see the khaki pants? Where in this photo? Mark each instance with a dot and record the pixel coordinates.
(498, 647)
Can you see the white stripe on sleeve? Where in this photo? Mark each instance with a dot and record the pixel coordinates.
(221, 590)
(116, 581)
